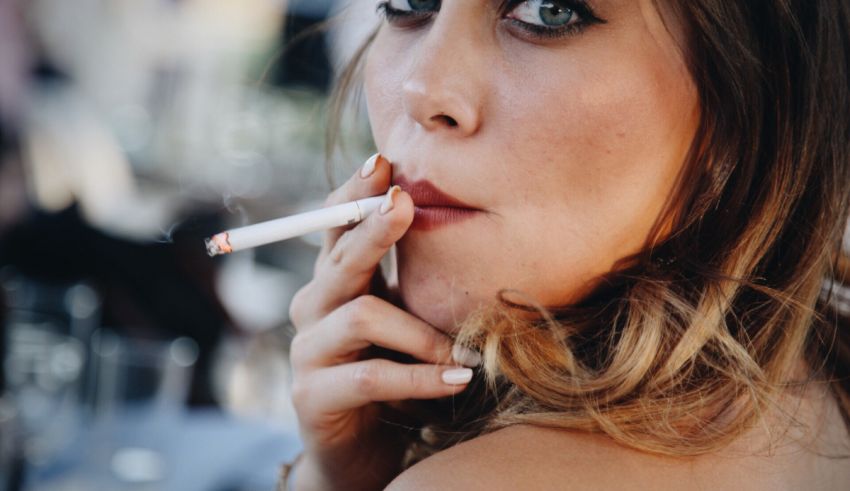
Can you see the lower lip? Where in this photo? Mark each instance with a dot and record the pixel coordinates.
(431, 217)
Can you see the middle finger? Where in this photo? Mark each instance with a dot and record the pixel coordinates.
(368, 321)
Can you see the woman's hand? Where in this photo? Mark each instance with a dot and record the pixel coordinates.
(337, 388)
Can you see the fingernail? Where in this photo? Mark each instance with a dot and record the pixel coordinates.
(465, 356)
(369, 167)
(389, 202)
(457, 376)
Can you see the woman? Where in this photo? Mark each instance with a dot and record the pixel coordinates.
(636, 230)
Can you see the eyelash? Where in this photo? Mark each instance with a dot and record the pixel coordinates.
(405, 18)
(396, 17)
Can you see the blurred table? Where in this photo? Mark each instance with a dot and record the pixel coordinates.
(188, 450)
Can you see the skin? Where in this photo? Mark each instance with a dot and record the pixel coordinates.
(571, 146)
(524, 457)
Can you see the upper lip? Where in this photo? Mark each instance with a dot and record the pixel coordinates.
(425, 193)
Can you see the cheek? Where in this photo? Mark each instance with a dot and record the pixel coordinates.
(596, 172)
(383, 77)
(603, 144)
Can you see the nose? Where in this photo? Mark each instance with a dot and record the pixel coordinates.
(444, 90)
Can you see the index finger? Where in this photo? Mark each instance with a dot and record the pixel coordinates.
(372, 179)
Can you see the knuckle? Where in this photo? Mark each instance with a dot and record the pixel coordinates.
(360, 317)
(357, 328)
(337, 254)
(297, 351)
(361, 309)
(365, 378)
(344, 258)
(415, 380)
(297, 307)
(300, 394)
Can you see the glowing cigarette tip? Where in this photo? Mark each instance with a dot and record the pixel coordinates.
(218, 244)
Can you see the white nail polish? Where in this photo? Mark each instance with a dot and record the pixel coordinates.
(389, 202)
(369, 167)
(465, 356)
(457, 376)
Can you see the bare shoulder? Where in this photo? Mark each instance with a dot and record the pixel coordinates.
(518, 457)
(526, 457)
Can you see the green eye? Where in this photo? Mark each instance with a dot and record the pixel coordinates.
(544, 13)
(537, 19)
(553, 15)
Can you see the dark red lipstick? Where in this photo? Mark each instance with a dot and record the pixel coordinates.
(433, 207)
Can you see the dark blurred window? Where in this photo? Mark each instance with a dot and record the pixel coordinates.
(304, 60)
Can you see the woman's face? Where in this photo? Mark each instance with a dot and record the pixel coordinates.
(569, 145)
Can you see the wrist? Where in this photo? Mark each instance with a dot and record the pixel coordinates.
(311, 473)
(308, 474)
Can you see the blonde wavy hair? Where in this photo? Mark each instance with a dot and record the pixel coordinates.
(687, 344)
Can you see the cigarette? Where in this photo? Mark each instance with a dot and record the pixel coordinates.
(259, 234)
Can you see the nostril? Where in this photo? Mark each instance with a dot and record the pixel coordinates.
(447, 119)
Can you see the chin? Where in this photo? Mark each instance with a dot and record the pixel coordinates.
(437, 303)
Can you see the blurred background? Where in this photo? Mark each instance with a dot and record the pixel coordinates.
(131, 130)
